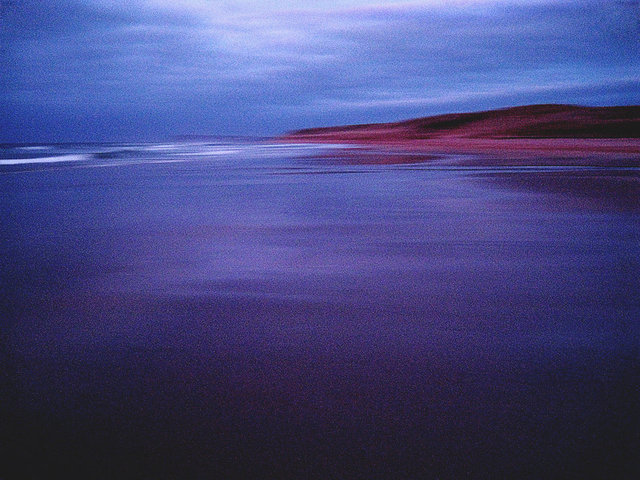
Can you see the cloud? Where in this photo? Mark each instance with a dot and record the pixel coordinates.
(497, 91)
(154, 68)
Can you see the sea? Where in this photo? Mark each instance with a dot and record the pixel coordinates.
(256, 309)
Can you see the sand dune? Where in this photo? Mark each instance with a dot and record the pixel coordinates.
(564, 130)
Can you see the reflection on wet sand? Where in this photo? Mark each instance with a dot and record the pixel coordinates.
(217, 318)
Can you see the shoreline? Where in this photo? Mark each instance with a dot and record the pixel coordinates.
(521, 132)
(585, 151)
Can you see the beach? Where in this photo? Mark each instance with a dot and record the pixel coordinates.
(542, 134)
(547, 151)
(320, 240)
(260, 310)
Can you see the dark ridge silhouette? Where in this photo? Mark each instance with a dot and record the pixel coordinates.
(531, 121)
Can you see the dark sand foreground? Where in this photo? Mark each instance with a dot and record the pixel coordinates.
(300, 312)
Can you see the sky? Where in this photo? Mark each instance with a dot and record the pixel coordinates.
(98, 70)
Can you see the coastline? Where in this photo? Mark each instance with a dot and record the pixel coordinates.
(527, 132)
(543, 150)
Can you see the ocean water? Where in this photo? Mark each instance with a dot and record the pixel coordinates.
(257, 310)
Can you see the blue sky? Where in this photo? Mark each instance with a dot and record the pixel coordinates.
(150, 69)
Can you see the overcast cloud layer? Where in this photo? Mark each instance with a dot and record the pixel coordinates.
(151, 69)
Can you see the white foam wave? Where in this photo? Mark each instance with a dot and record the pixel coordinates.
(35, 147)
(59, 158)
(207, 153)
(161, 147)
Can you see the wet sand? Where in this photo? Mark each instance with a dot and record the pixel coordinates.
(262, 311)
